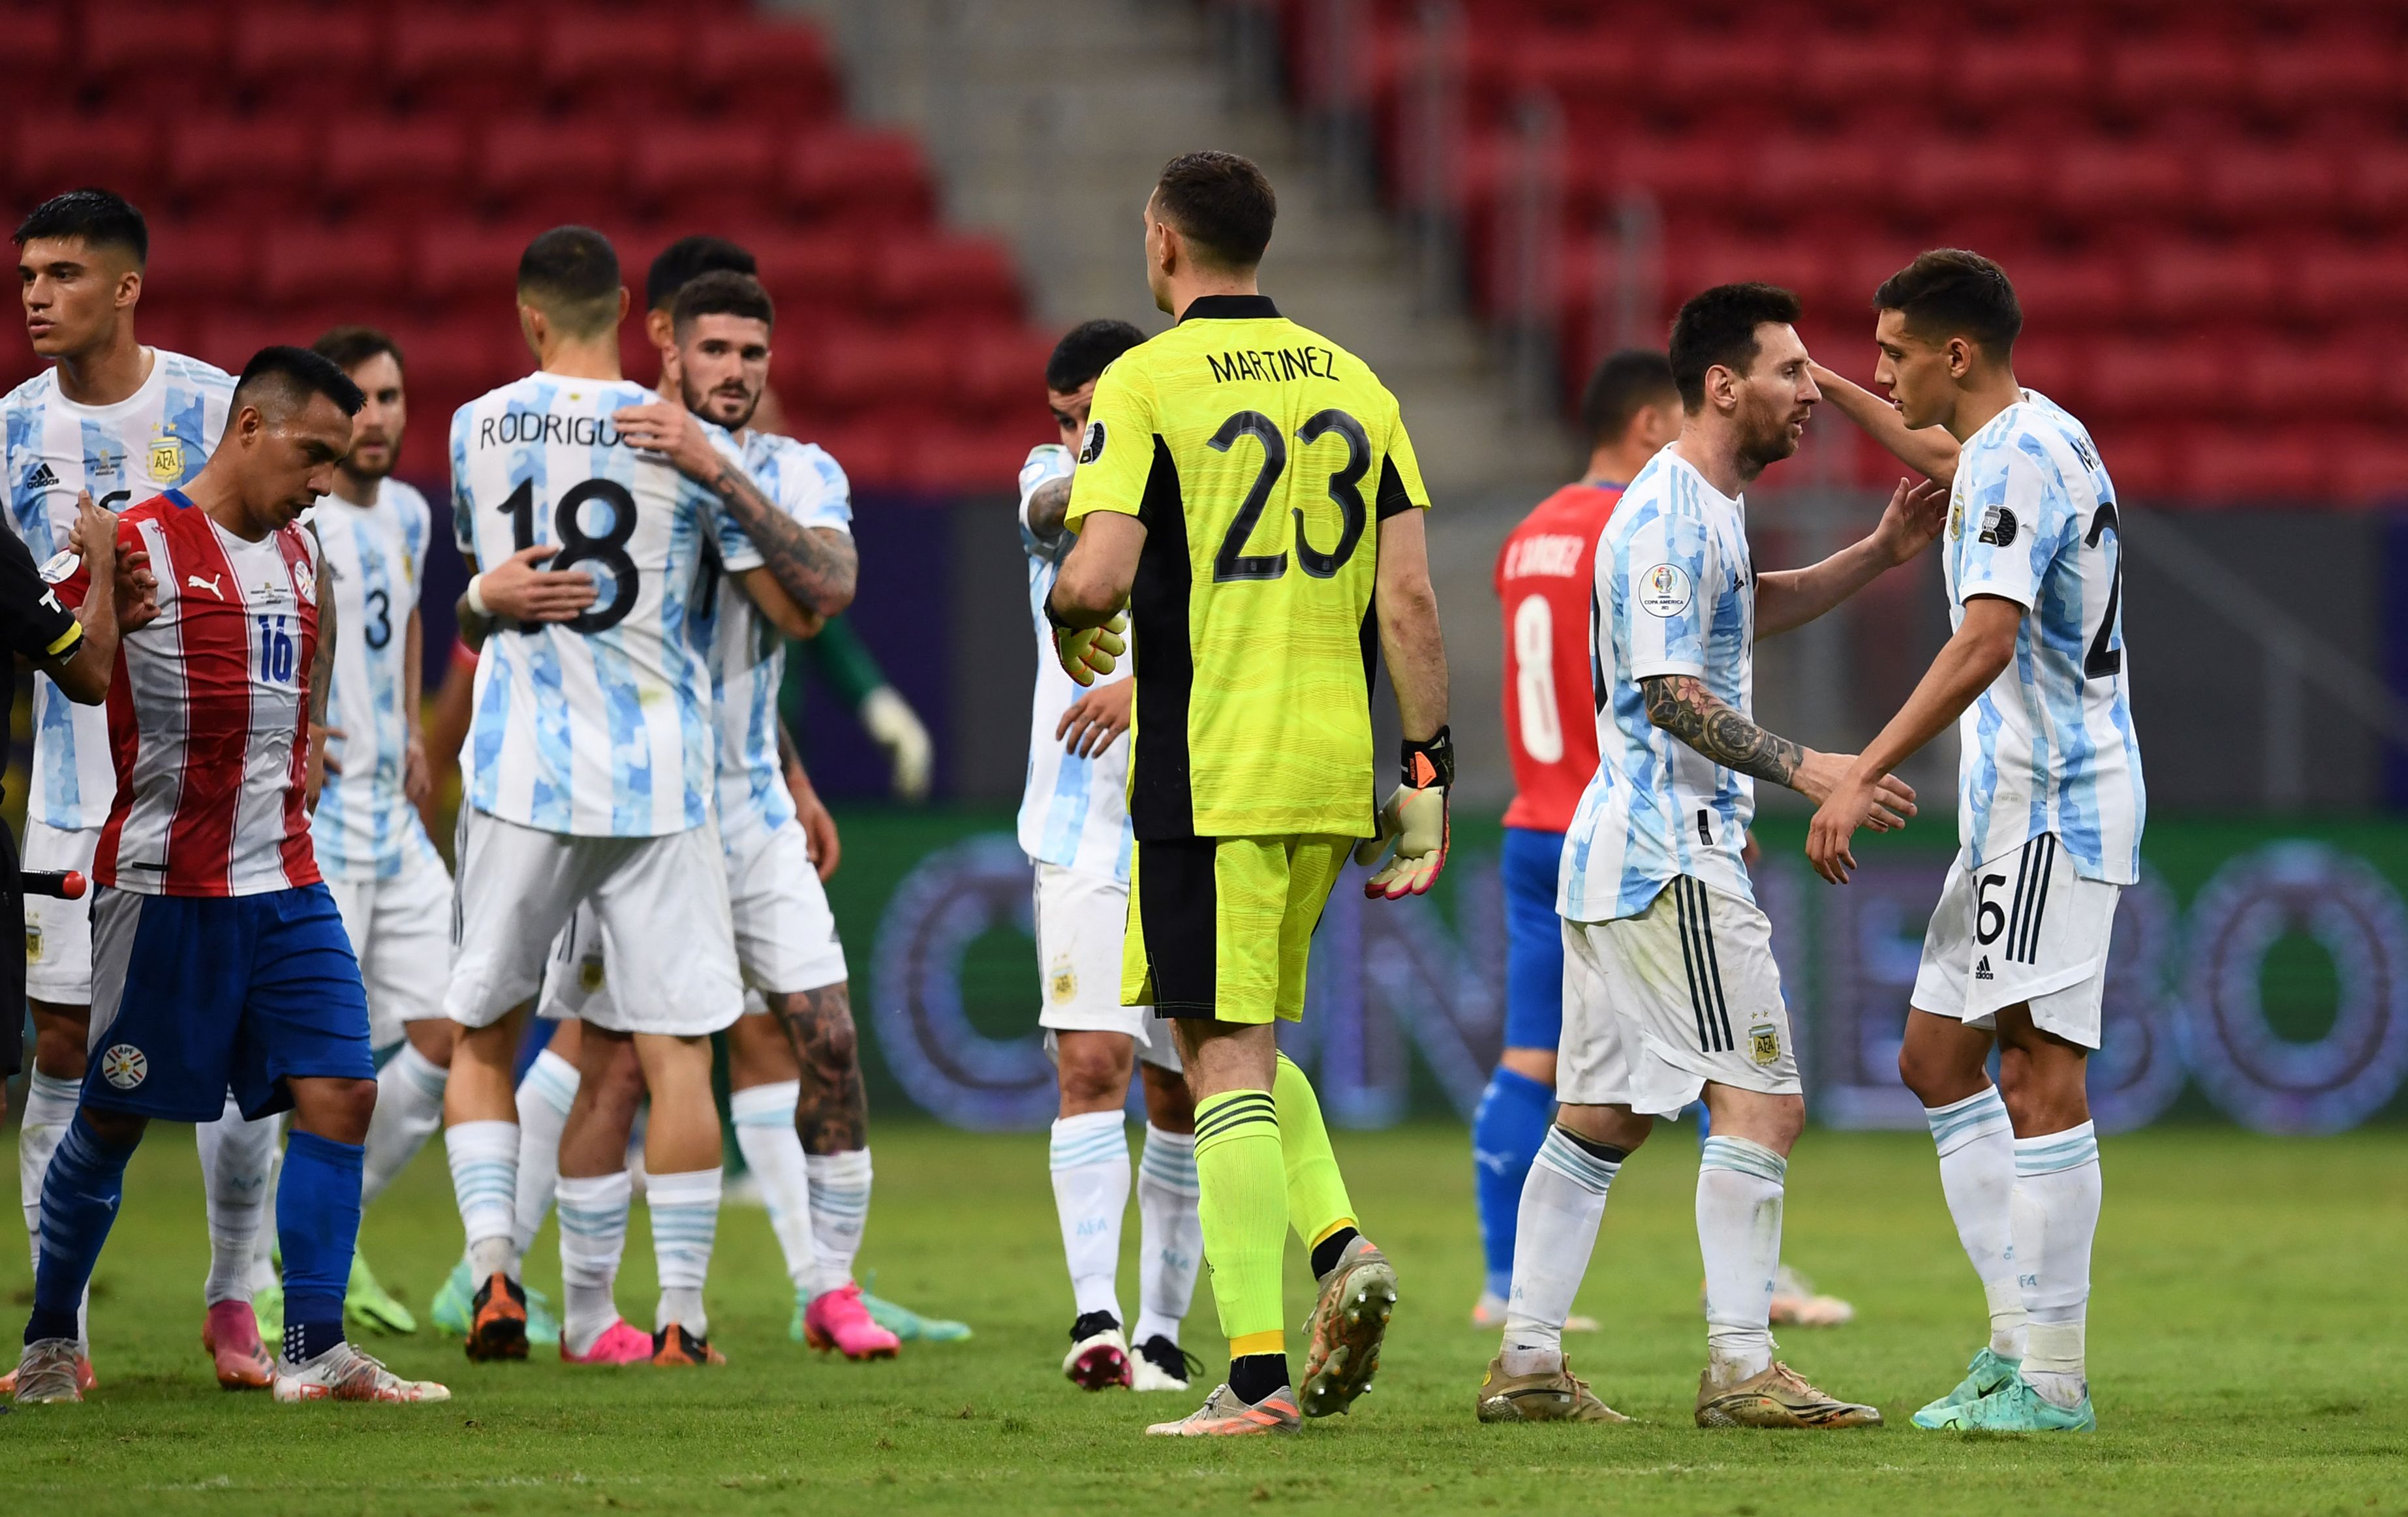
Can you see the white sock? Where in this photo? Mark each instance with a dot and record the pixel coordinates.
(409, 1108)
(2056, 1219)
(1739, 1231)
(49, 1106)
(685, 1220)
(773, 1150)
(1170, 1236)
(484, 1157)
(1977, 1175)
(263, 1248)
(1090, 1162)
(1563, 1205)
(544, 1097)
(592, 1235)
(839, 1209)
(234, 1158)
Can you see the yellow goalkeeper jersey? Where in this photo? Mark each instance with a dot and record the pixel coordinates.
(1261, 458)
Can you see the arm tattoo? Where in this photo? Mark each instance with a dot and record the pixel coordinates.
(322, 661)
(1680, 704)
(816, 568)
(834, 1114)
(1048, 505)
(474, 628)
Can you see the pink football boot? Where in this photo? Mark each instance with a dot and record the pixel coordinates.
(838, 1320)
(620, 1344)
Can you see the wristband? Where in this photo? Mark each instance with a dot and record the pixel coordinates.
(477, 596)
(1430, 763)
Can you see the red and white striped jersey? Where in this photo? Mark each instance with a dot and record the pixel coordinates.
(1542, 576)
(209, 710)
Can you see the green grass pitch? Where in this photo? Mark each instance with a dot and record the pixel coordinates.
(2248, 1348)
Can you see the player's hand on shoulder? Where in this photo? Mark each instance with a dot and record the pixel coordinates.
(1095, 718)
(516, 588)
(661, 427)
(1917, 510)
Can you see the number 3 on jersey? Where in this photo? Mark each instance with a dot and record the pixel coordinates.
(608, 551)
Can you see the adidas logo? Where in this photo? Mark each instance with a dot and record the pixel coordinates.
(41, 479)
(1981, 970)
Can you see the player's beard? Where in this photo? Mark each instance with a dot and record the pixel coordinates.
(1766, 441)
(698, 401)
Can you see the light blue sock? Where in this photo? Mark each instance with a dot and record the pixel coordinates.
(1512, 1120)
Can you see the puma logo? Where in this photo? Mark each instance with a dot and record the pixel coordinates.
(209, 584)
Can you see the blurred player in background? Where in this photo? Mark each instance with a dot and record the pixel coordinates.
(220, 960)
(1244, 486)
(124, 422)
(1670, 987)
(589, 774)
(1074, 828)
(2049, 815)
(1544, 571)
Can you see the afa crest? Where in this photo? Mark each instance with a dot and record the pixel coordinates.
(167, 460)
(589, 974)
(1764, 1044)
(1063, 983)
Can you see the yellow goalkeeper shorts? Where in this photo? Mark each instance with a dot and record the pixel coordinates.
(1222, 927)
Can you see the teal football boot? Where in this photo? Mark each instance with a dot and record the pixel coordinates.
(2016, 1407)
(1989, 1371)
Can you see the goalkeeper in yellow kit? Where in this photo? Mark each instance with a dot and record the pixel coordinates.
(1244, 488)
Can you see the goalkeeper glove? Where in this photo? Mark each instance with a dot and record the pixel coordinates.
(1088, 651)
(1416, 820)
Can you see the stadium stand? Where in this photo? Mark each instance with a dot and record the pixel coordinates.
(326, 164)
(2202, 202)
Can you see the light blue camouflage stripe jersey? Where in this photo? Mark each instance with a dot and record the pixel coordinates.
(601, 726)
(1073, 811)
(2049, 747)
(1675, 593)
(365, 828)
(747, 652)
(155, 439)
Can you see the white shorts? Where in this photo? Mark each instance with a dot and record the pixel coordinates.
(2027, 928)
(660, 915)
(1082, 917)
(400, 928)
(1659, 1004)
(58, 933)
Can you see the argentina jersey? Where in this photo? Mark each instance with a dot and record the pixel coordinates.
(748, 652)
(1674, 594)
(1073, 811)
(599, 726)
(154, 440)
(2049, 746)
(365, 828)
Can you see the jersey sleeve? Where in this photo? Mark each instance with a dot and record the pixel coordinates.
(1663, 569)
(1047, 461)
(417, 530)
(1116, 452)
(823, 493)
(2015, 511)
(33, 621)
(1401, 473)
(463, 509)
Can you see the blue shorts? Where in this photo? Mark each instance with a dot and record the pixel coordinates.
(1534, 941)
(192, 997)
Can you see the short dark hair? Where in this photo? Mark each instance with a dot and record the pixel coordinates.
(1949, 291)
(572, 274)
(293, 375)
(1624, 384)
(687, 259)
(102, 218)
(1222, 202)
(1718, 327)
(348, 347)
(722, 292)
(1084, 351)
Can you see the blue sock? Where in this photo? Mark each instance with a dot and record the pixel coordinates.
(1506, 1133)
(318, 1222)
(80, 1197)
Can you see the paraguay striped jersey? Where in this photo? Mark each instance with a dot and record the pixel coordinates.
(154, 440)
(1675, 593)
(1074, 811)
(748, 652)
(376, 554)
(2049, 746)
(207, 709)
(600, 726)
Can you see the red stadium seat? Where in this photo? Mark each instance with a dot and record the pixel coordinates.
(2312, 380)
(2254, 184)
(37, 64)
(2371, 468)
(363, 262)
(1955, 177)
(265, 165)
(2304, 75)
(2057, 366)
(1853, 70)
(551, 169)
(2058, 288)
(2142, 377)
(2375, 183)
(703, 170)
(1574, 64)
(986, 459)
(228, 338)
(1823, 175)
(2143, 461)
(2183, 281)
(2258, 466)
(1795, 264)
(1677, 170)
(403, 167)
(201, 263)
(874, 450)
(1726, 68)
(2105, 181)
(2145, 75)
(764, 69)
(57, 154)
(308, 52)
(599, 60)
(465, 262)
(479, 60)
(2348, 281)
(809, 269)
(129, 45)
(859, 368)
(959, 275)
(875, 175)
(1004, 371)
(2021, 72)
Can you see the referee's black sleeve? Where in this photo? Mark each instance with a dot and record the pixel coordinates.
(31, 621)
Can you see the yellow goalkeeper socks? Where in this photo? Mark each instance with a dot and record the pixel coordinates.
(1317, 1203)
(1243, 1208)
